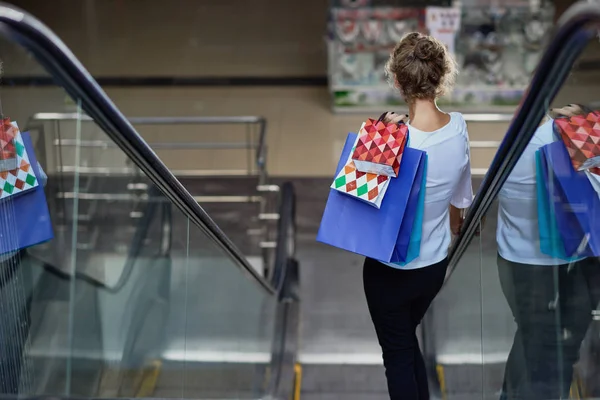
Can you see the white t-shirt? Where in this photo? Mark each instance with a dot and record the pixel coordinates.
(517, 234)
(448, 182)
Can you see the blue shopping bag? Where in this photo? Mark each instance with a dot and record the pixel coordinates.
(410, 233)
(577, 205)
(25, 219)
(551, 241)
(357, 227)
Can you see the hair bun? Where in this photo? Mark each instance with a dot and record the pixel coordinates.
(425, 49)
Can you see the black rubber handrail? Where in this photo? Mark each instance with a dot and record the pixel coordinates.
(285, 279)
(67, 71)
(575, 28)
(286, 234)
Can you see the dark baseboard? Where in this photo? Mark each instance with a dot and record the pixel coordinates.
(587, 65)
(169, 81)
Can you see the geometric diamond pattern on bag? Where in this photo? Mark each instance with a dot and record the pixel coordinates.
(363, 185)
(8, 153)
(380, 147)
(581, 136)
(21, 179)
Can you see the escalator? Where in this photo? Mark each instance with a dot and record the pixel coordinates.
(139, 294)
(166, 306)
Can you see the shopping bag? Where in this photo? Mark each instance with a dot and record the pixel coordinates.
(551, 241)
(366, 187)
(581, 136)
(380, 147)
(21, 179)
(360, 228)
(8, 151)
(25, 219)
(410, 234)
(578, 208)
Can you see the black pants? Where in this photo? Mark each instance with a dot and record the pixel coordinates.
(14, 320)
(552, 309)
(398, 300)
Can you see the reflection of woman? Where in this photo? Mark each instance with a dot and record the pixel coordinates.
(550, 299)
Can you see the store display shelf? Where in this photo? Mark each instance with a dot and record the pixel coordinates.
(471, 114)
(459, 87)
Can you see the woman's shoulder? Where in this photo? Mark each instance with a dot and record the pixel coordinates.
(544, 134)
(458, 125)
(457, 117)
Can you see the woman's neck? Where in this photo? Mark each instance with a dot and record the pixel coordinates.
(422, 108)
(426, 116)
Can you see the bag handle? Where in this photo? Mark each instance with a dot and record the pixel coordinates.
(380, 119)
(584, 108)
(382, 116)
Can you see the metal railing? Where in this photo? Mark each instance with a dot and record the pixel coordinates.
(50, 126)
(67, 71)
(253, 124)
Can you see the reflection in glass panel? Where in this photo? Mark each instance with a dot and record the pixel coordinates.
(152, 293)
(220, 327)
(101, 307)
(129, 298)
(453, 329)
(541, 286)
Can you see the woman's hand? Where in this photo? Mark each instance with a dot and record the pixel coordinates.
(393, 118)
(567, 111)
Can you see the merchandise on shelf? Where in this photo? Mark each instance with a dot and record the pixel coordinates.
(496, 48)
(389, 3)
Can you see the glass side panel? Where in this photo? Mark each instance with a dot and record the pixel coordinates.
(540, 279)
(453, 330)
(519, 318)
(127, 297)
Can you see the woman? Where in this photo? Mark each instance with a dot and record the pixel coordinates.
(551, 299)
(422, 70)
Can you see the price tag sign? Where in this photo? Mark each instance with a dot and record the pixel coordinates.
(443, 23)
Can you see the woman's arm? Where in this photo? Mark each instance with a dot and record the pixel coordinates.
(456, 219)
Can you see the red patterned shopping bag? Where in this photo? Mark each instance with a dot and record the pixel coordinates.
(380, 147)
(8, 151)
(367, 187)
(581, 136)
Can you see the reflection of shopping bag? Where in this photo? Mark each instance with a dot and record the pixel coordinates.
(581, 136)
(21, 179)
(25, 219)
(8, 151)
(410, 233)
(379, 147)
(551, 240)
(360, 228)
(578, 211)
(366, 187)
